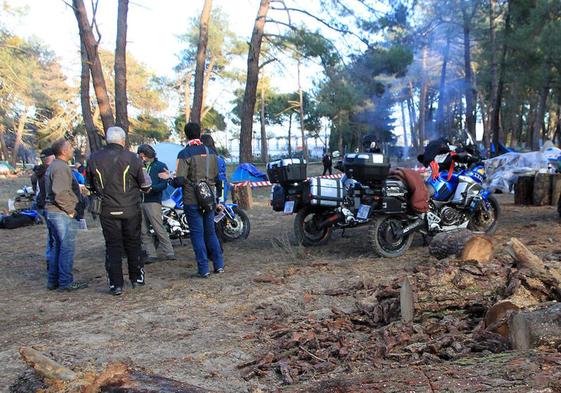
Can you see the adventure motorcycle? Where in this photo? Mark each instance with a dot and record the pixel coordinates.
(367, 195)
(232, 225)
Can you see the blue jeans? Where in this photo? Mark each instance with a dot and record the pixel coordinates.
(50, 238)
(63, 229)
(203, 237)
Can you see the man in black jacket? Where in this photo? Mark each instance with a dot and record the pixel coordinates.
(118, 175)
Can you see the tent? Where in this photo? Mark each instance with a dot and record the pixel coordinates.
(167, 153)
(247, 172)
(6, 168)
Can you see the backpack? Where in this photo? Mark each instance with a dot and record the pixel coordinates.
(203, 190)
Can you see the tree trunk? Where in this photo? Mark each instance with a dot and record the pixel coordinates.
(469, 89)
(100, 89)
(201, 59)
(441, 124)
(340, 135)
(242, 195)
(540, 112)
(405, 140)
(187, 95)
(3, 147)
(301, 111)
(412, 117)
(94, 138)
(423, 96)
(497, 86)
(290, 135)
(19, 135)
(121, 116)
(250, 93)
(264, 147)
(208, 74)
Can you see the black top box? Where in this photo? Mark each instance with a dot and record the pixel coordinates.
(366, 167)
(289, 170)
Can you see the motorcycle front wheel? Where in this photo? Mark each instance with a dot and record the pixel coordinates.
(307, 231)
(235, 229)
(384, 239)
(486, 218)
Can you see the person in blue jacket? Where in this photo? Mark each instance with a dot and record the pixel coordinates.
(151, 207)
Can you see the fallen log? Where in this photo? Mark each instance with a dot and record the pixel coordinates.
(451, 243)
(543, 281)
(117, 377)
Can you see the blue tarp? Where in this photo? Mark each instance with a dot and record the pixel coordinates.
(247, 172)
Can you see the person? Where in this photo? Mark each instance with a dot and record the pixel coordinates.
(370, 145)
(222, 181)
(195, 163)
(38, 184)
(61, 204)
(151, 207)
(118, 176)
(327, 163)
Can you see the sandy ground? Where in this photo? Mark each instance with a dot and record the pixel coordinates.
(191, 329)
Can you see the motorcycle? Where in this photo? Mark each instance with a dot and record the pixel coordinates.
(366, 195)
(457, 200)
(232, 223)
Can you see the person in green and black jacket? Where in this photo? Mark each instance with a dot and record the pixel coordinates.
(151, 207)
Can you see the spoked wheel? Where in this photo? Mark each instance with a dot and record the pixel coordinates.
(236, 228)
(385, 237)
(486, 216)
(307, 231)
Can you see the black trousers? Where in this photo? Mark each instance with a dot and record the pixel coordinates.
(122, 233)
(327, 168)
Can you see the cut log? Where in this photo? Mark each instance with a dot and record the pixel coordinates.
(446, 244)
(542, 189)
(545, 279)
(524, 190)
(479, 248)
(555, 189)
(538, 327)
(242, 195)
(496, 318)
(46, 366)
(116, 377)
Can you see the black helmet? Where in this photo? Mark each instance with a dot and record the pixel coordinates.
(147, 150)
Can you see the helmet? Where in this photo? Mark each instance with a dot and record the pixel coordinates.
(147, 150)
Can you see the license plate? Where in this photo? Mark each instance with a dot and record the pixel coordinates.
(363, 212)
(218, 217)
(289, 207)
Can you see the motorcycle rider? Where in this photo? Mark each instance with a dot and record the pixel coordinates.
(151, 207)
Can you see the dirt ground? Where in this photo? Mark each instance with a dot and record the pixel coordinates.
(198, 331)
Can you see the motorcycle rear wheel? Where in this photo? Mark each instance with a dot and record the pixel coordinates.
(486, 220)
(307, 234)
(383, 240)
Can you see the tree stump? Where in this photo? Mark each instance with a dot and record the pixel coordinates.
(524, 190)
(537, 327)
(450, 243)
(242, 195)
(542, 189)
(555, 189)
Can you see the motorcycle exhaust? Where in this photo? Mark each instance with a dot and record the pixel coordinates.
(330, 221)
(413, 226)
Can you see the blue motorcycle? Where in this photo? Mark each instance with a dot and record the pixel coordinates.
(232, 223)
(458, 200)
